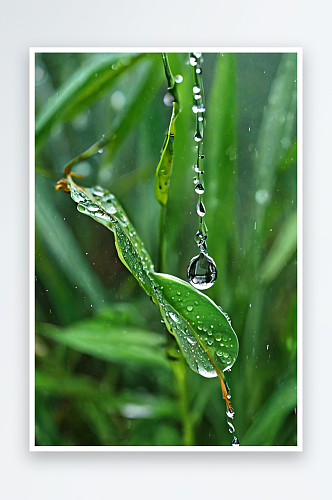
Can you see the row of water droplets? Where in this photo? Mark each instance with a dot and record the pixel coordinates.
(230, 416)
(202, 270)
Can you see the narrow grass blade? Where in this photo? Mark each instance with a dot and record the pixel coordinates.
(281, 251)
(84, 88)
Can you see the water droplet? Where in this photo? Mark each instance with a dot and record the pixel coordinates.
(191, 341)
(97, 192)
(198, 170)
(200, 209)
(196, 89)
(189, 308)
(198, 136)
(231, 427)
(200, 238)
(230, 412)
(100, 150)
(123, 220)
(202, 371)
(262, 196)
(202, 271)
(178, 78)
(235, 442)
(92, 208)
(82, 209)
(193, 61)
(174, 317)
(199, 188)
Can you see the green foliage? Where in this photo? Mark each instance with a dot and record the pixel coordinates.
(209, 344)
(107, 372)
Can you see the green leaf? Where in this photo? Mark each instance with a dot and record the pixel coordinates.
(202, 330)
(281, 251)
(85, 87)
(103, 207)
(165, 165)
(274, 133)
(290, 157)
(62, 245)
(129, 403)
(271, 416)
(106, 339)
(221, 171)
(143, 91)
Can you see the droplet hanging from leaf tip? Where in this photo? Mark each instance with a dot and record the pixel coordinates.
(235, 442)
(202, 271)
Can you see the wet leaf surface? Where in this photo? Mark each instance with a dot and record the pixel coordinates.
(203, 331)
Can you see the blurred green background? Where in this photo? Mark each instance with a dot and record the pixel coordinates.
(102, 376)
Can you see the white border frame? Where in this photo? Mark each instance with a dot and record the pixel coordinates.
(299, 447)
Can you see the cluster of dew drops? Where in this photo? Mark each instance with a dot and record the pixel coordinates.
(202, 270)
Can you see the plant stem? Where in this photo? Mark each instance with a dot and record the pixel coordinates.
(178, 365)
(89, 152)
(162, 241)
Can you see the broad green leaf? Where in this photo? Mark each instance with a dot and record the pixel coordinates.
(165, 165)
(202, 329)
(110, 341)
(86, 86)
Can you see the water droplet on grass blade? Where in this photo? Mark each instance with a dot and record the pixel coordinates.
(200, 209)
(199, 188)
(202, 271)
(230, 412)
(231, 427)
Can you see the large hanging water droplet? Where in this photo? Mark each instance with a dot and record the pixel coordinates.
(202, 271)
